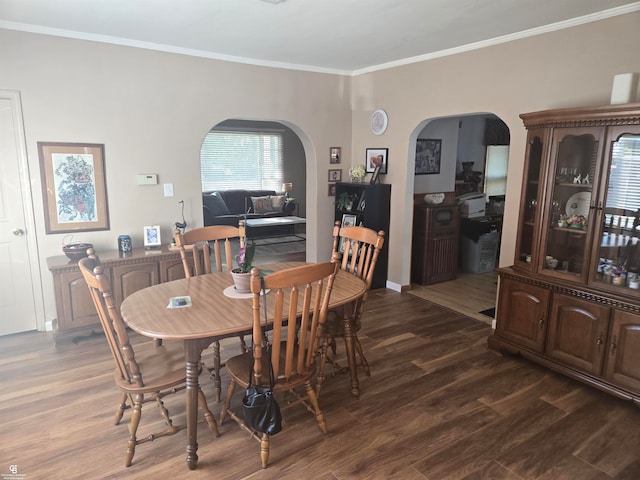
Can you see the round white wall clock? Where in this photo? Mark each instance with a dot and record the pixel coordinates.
(379, 122)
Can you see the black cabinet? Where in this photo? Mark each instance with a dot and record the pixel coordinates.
(370, 207)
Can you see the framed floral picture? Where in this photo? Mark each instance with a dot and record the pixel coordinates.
(152, 236)
(74, 187)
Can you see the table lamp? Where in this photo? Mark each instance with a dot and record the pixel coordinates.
(286, 188)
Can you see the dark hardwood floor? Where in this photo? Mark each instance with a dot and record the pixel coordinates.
(438, 405)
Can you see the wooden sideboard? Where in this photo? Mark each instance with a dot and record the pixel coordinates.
(129, 272)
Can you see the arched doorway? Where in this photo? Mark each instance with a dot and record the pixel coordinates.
(468, 156)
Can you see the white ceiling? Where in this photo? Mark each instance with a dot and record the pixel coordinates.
(333, 36)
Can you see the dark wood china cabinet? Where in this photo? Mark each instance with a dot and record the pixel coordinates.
(571, 300)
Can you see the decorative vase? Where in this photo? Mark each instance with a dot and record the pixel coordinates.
(241, 281)
(356, 179)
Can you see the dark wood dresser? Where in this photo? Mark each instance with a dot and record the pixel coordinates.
(436, 236)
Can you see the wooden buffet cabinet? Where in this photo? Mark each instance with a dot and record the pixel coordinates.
(571, 301)
(435, 243)
(129, 272)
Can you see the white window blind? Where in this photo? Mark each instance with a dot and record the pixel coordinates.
(624, 174)
(496, 164)
(241, 159)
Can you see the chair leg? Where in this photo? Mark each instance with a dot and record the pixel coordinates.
(363, 359)
(121, 408)
(216, 369)
(136, 414)
(316, 407)
(321, 365)
(227, 401)
(264, 450)
(211, 421)
(243, 344)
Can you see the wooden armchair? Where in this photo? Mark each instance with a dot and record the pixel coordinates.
(143, 374)
(359, 248)
(201, 242)
(295, 344)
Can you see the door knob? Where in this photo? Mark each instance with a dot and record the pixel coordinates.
(18, 231)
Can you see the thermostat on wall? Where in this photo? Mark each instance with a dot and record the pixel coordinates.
(147, 179)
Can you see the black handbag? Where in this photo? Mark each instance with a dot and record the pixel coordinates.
(261, 410)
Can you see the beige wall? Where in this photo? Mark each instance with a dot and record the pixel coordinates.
(152, 110)
(573, 67)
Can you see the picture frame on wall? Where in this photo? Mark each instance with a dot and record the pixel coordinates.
(374, 157)
(152, 236)
(331, 191)
(428, 153)
(335, 154)
(335, 175)
(74, 188)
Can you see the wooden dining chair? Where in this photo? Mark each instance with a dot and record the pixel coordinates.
(197, 249)
(144, 372)
(294, 340)
(359, 248)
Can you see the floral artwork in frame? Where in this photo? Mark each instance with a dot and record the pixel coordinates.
(73, 187)
(428, 156)
(152, 236)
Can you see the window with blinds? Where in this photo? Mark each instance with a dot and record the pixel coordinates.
(624, 174)
(249, 160)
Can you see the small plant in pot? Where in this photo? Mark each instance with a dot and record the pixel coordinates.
(345, 201)
(242, 273)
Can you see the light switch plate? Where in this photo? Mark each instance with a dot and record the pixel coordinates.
(168, 189)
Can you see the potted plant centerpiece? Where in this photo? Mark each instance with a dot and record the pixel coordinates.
(242, 273)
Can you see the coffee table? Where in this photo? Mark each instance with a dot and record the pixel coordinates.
(278, 221)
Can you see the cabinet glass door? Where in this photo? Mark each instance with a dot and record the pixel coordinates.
(527, 231)
(618, 260)
(575, 153)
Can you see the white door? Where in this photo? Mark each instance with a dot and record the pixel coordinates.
(18, 292)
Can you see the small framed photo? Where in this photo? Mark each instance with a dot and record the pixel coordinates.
(334, 154)
(349, 220)
(332, 190)
(152, 236)
(428, 156)
(376, 175)
(335, 175)
(375, 157)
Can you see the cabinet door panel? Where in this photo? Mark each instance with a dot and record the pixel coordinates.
(131, 278)
(76, 304)
(623, 357)
(522, 313)
(578, 332)
(173, 270)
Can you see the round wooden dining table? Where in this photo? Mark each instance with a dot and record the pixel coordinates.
(212, 314)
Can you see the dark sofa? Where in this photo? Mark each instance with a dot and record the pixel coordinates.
(228, 207)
